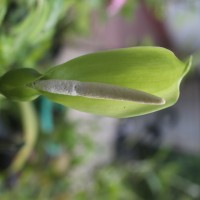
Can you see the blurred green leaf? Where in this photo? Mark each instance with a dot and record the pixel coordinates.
(29, 30)
(3, 9)
(30, 127)
(153, 70)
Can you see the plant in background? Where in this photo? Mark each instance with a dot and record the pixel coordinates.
(31, 33)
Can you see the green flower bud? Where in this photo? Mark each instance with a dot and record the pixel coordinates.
(13, 84)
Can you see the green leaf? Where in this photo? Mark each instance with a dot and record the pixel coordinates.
(3, 9)
(152, 70)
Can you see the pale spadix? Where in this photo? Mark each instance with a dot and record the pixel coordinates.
(96, 91)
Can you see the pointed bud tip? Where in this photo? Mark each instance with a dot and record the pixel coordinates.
(162, 101)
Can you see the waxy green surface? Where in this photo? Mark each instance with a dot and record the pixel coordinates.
(153, 70)
(150, 69)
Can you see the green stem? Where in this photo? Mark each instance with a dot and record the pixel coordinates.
(30, 130)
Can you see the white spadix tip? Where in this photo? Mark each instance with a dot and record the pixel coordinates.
(96, 91)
